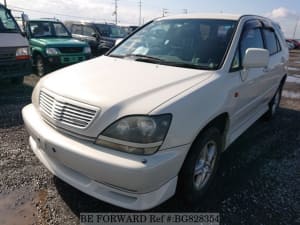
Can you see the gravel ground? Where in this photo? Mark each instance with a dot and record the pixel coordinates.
(258, 179)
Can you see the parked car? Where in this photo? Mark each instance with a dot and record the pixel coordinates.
(166, 103)
(100, 36)
(129, 29)
(52, 45)
(290, 44)
(15, 61)
(295, 42)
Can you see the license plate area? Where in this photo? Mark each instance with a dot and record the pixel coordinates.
(71, 59)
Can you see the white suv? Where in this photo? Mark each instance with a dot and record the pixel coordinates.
(153, 116)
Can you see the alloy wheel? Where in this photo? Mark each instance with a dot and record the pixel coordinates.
(205, 164)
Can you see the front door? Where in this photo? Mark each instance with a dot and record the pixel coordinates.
(253, 81)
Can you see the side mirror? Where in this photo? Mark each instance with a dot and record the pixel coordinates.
(94, 35)
(25, 17)
(256, 58)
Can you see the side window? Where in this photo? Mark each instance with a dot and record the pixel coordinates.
(88, 31)
(251, 38)
(104, 30)
(76, 29)
(272, 43)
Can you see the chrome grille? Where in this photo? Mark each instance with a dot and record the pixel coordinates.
(64, 112)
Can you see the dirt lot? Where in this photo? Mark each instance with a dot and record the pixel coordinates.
(258, 180)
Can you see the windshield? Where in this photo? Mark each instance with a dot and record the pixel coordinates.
(40, 29)
(7, 22)
(111, 31)
(191, 43)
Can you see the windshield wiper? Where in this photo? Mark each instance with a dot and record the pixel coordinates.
(116, 56)
(145, 58)
(187, 65)
(151, 59)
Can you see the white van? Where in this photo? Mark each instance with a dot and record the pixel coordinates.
(15, 61)
(153, 116)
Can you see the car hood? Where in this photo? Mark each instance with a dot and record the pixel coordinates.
(12, 40)
(120, 87)
(57, 42)
(105, 82)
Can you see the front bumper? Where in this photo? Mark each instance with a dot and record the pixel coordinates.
(15, 68)
(118, 178)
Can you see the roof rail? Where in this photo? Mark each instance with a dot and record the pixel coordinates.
(52, 19)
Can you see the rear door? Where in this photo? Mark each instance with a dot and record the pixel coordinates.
(275, 69)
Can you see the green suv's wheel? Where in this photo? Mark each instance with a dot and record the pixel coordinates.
(41, 66)
(200, 166)
(17, 80)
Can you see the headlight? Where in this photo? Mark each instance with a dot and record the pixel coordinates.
(87, 50)
(22, 53)
(136, 134)
(52, 51)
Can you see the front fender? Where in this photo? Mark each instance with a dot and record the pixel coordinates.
(37, 50)
(193, 110)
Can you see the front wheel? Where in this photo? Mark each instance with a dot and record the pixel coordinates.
(41, 66)
(200, 166)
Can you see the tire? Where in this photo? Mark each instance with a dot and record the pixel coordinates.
(273, 105)
(198, 171)
(42, 67)
(17, 80)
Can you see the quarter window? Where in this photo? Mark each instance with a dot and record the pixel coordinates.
(236, 65)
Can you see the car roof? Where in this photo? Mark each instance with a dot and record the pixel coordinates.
(89, 22)
(45, 20)
(224, 16)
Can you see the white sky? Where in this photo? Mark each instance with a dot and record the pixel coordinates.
(285, 12)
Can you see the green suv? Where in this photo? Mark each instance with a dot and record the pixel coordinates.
(53, 47)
